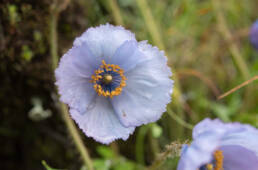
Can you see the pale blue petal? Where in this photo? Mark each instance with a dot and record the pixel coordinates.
(233, 133)
(209, 125)
(148, 89)
(219, 126)
(244, 136)
(100, 122)
(104, 40)
(127, 56)
(237, 141)
(200, 152)
(84, 62)
(74, 88)
(238, 158)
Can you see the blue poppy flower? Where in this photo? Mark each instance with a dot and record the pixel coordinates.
(221, 146)
(112, 83)
(254, 34)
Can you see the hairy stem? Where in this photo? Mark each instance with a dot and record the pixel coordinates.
(68, 121)
(76, 137)
(172, 150)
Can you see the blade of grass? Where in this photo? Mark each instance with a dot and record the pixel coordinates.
(156, 36)
(150, 23)
(116, 12)
(223, 28)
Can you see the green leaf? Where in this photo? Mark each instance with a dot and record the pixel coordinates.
(105, 152)
(101, 164)
(124, 165)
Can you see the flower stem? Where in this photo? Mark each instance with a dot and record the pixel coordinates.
(76, 137)
(179, 120)
(139, 146)
(53, 40)
(68, 121)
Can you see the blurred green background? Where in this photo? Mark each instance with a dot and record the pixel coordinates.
(207, 45)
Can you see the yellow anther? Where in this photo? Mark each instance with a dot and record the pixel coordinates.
(209, 167)
(100, 76)
(218, 156)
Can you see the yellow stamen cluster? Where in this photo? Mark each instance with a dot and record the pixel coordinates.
(218, 156)
(108, 78)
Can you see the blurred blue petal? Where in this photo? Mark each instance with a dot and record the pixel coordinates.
(254, 34)
(238, 143)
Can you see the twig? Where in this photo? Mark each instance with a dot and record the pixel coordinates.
(238, 87)
(56, 9)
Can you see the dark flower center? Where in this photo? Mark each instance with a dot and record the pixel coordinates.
(108, 80)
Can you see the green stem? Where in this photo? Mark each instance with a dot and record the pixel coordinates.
(179, 120)
(76, 137)
(139, 146)
(53, 40)
(68, 121)
(153, 143)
